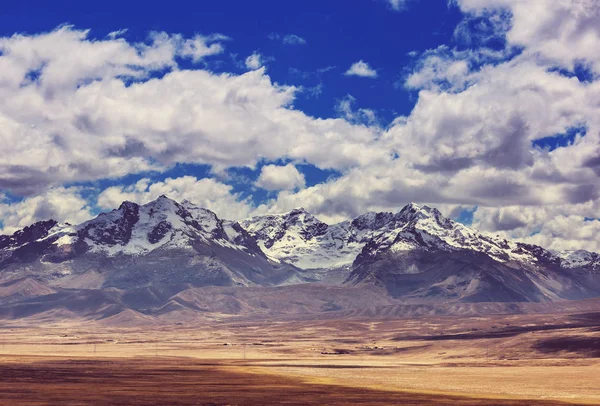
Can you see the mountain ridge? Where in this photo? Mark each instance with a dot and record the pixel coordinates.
(415, 255)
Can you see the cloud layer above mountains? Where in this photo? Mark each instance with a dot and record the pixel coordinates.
(511, 132)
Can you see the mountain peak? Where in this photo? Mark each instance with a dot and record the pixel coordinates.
(295, 212)
(128, 206)
(413, 210)
(164, 241)
(162, 202)
(412, 206)
(372, 220)
(28, 234)
(164, 197)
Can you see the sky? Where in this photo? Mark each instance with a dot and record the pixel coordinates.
(485, 109)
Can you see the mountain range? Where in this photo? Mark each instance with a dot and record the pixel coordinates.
(167, 257)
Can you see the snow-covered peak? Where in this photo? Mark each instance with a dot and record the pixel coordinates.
(303, 240)
(296, 212)
(579, 259)
(425, 228)
(414, 212)
(205, 219)
(296, 237)
(295, 225)
(162, 203)
(300, 238)
(27, 235)
(128, 206)
(413, 208)
(163, 223)
(372, 221)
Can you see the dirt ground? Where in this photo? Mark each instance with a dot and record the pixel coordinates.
(505, 360)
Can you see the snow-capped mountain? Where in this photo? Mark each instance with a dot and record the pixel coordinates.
(579, 259)
(163, 223)
(416, 253)
(425, 228)
(301, 239)
(431, 256)
(419, 253)
(162, 241)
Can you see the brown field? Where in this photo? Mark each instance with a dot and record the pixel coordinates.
(501, 360)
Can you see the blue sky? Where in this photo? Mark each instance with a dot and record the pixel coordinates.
(340, 107)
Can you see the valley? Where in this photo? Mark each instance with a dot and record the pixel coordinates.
(494, 359)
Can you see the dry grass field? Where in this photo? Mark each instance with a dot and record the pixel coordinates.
(504, 360)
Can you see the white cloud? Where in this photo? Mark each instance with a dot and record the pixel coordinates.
(562, 31)
(273, 177)
(439, 68)
(116, 34)
(61, 204)
(255, 61)
(288, 39)
(397, 4)
(345, 107)
(292, 39)
(314, 91)
(361, 68)
(207, 193)
(66, 114)
(568, 233)
(547, 226)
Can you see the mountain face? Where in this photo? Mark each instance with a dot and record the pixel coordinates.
(299, 238)
(151, 252)
(419, 254)
(161, 242)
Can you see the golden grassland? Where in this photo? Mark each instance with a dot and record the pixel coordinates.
(522, 359)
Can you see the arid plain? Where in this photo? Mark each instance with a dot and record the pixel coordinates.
(551, 358)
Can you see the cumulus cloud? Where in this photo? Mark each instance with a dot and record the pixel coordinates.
(293, 39)
(288, 39)
(361, 68)
(61, 204)
(345, 107)
(208, 193)
(255, 61)
(568, 232)
(274, 177)
(73, 108)
(437, 69)
(396, 4)
(562, 32)
(557, 227)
